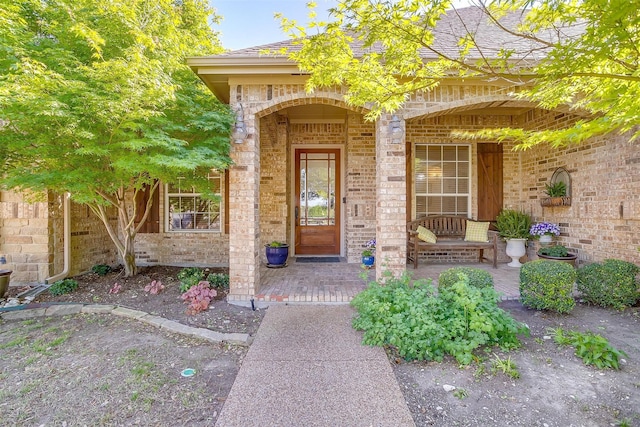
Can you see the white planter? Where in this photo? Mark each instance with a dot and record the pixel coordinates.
(515, 250)
(546, 238)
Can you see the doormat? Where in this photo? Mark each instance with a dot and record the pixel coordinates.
(318, 259)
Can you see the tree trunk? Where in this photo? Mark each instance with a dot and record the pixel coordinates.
(129, 258)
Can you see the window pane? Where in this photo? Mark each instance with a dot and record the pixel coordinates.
(445, 187)
(188, 211)
(449, 153)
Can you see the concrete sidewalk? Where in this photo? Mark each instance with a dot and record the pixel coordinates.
(307, 367)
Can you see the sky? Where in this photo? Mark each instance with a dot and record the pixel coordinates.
(248, 23)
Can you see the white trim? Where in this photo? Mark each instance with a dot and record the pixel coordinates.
(292, 203)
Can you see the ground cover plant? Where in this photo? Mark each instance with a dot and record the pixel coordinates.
(64, 286)
(424, 325)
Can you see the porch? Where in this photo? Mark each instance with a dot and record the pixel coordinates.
(339, 282)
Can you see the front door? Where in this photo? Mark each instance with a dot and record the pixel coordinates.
(317, 209)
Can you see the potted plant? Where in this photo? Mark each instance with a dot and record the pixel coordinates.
(557, 192)
(558, 253)
(544, 231)
(514, 226)
(277, 254)
(368, 258)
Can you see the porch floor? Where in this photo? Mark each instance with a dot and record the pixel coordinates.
(339, 282)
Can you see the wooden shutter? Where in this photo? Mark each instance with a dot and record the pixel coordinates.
(152, 224)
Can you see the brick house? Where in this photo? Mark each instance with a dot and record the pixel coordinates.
(314, 173)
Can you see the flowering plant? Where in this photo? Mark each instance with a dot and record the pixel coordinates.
(370, 247)
(542, 228)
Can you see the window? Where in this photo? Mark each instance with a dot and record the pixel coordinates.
(442, 180)
(187, 211)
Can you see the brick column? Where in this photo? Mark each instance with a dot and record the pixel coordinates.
(391, 200)
(244, 230)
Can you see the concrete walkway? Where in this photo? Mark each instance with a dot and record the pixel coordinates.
(307, 367)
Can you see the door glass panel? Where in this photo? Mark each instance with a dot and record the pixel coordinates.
(317, 189)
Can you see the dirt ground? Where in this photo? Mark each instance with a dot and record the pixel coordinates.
(104, 370)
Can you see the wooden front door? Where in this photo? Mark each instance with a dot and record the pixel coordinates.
(317, 195)
(489, 181)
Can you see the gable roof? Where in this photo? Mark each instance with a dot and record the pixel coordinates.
(215, 70)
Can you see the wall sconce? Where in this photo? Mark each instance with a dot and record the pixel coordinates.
(239, 133)
(395, 130)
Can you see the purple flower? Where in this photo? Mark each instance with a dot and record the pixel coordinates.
(542, 228)
(371, 244)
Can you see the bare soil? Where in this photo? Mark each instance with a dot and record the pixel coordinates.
(104, 370)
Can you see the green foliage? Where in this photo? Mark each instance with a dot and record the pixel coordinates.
(513, 224)
(276, 244)
(102, 103)
(65, 286)
(478, 277)
(592, 348)
(189, 277)
(595, 70)
(547, 285)
(424, 326)
(558, 251)
(318, 211)
(218, 280)
(506, 366)
(557, 189)
(612, 283)
(101, 269)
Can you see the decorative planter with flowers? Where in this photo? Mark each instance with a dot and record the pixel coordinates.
(277, 254)
(368, 258)
(544, 231)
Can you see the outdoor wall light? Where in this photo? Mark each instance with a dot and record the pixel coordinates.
(395, 130)
(239, 133)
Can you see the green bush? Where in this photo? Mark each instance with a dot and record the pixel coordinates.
(101, 269)
(612, 283)
(424, 326)
(218, 280)
(477, 277)
(547, 285)
(189, 277)
(65, 286)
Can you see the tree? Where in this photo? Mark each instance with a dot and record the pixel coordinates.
(583, 54)
(96, 100)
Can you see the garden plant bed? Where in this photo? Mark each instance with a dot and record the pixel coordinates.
(555, 388)
(98, 369)
(221, 316)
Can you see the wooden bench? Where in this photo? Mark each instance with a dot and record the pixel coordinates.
(450, 231)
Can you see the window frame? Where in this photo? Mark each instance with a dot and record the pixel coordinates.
(414, 171)
(213, 175)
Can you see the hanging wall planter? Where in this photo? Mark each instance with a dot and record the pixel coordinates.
(558, 189)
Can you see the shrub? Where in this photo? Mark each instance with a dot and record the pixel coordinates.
(199, 297)
(65, 286)
(477, 277)
(557, 251)
(101, 269)
(547, 285)
(424, 326)
(218, 280)
(189, 277)
(612, 283)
